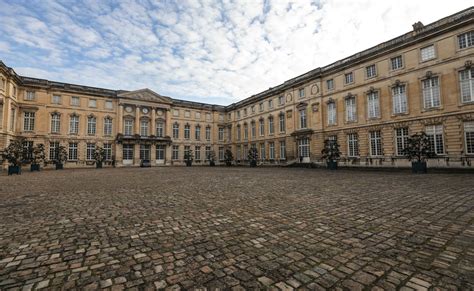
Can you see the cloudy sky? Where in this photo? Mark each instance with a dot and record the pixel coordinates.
(216, 51)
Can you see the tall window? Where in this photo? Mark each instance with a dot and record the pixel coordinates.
(270, 103)
(175, 153)
(352, 145)
(175, 130)
(348, 78)
(351, 111)
(187, 131)
(107, 126)
(72, 151)
(55, 123)
(271, 150)
(396, 63)
(208, 133)
(145, 152)
(128, 151)
(261, 107)
(401, 139)
(90, 149)
(144, 124)
(253, 129)
(330, 84)
(197, 153)
(262, 127)
(427, 53)
(108, 151)
(246, 150)
(160, 129)
(74, 124)
(282, 150)
(238, 153)
(466, 79)
(303, 147)
(375, 143)
(221, 134)
(331, 113)
(466, 39)
(431, 96)
(27, 149)
(303, 123)
(197, 132)
(370, 71)
(207, 152)
(399, 99)
(30, 95)
(271, 125)
(301, 93)
(246, 131)
(91, 125)
(239, 134)
(282, 122)
(53, 150)
(221, 153)
(29, 121)
(373, 104)
(262, 151)
(160, 152)
(435, 134)
(281, 100)
(469, 136)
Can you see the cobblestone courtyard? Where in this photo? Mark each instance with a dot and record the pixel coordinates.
(236, 228)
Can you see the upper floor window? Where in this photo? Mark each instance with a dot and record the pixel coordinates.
(246, 131)
(281, 100)
(144, 124)
(331, 113)
(238, 114)
(431, 95)
(14, 91)
(128, 127)
(56, 99)
(221, 117)
(91, 125)
(208, 133)
(74, 124)
(197, 132)
(330, 84)
(271, 126)
(245, 111)
(261, 107)
(252, 108)
(208, 116)
(187, 131)
(55, 123)
(351, 109)
(197, 115)
(466, 39)
(301, 92)
(187, 113)
(303, 122)
(396, 63)
(2, 83)
(282, 123)
(107, 126)
(370, 71)
(349, 78)
(93, 103)
(29, 121)
(270, 103)
(30, 95)
(427, 53)
(253, 129)
(262, 127)
(160, 129)
(175, 130)
(238, 132)
(109, 105)
(399, 99)
(221, 134)
(75, 101)
(466, 79)
(175, 112)
(373, 104)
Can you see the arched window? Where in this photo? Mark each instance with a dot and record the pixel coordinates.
(160, 128)
(175, 130)
(107, 126)
(91, 125)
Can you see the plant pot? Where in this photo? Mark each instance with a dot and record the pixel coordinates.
(212, 163)
(331, 165)
(14, 170)
(59, 166)
(419, 167)
(253, 163)
(98, 165)
(35, 167)
(189, 163)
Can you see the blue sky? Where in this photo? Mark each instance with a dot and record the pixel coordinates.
(202, 50)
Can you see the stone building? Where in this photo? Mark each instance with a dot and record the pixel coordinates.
(369, 102)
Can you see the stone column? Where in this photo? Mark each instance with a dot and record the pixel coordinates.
(137, 120)
(153, 122)
(136, 154)
(120, 119)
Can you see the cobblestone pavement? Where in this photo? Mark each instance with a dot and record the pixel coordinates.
(240, 228)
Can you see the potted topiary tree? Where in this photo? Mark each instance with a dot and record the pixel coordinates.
(37, 156)
(253, 157)
(418, 150)
(331, 153)
(61, 157)
(212, 158)
(188, 157)
(228, 157)
(14, 154)
(99, 157)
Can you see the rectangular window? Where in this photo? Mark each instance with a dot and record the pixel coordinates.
(271, 150)
(91, 125)
(208, 133)
(28, 150)
(271, 126)
(238, 114)
(245, 111)
(187, 113)
(469, 136)
(303, 123)
(197, 153)
(238, 153)
(370, 71)
(401, 135)
(246, 132)
(252, 108)
(56, 99)
(75, 101)
(282, 150)
(466, 40)
(253, 129)
(281, 100)
(74, 124)
(301, 93)
(128, 151)
(262, 151)
(109, 105)
(175, 130)
(108, 151)
(90, 149)
(107, 126)
(435, 134)
(53, 150)
(221, 153)
(72, 151)
(159, 129)
(431, 96)
(352, 145)
(261, 107)
(221, 134)
(466, 83)
(207, 152)
(399, 99)
(175, 152)
(351, 111)
(187, 131)
(375, 143)
(282, 122)
(197, 132)
(373, 104)
(246, 151)
(197, 115)
(160, 152)
(239, 134)
(30, 95)
(93, 103)
(55, 123)
(270, 103)
(348, 78)
(208, 116)
(144, 124)
(175, 112)
(262, 127)
(128, 127)
(145, 152)
(303, 147)
(332, 113)
(29, 121)
(427, 53)
(396, 63)
(330, 84)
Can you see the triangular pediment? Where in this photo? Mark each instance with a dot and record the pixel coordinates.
(145, 95)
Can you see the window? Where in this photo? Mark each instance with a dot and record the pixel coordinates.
(127, 151)
(245, 111)
(175, 153)
(431, 98)
(301, 93)
(2, 83)
(238, 153)
(246, 150)
(197, 132)
(207, 152)
(187, 131)
(109, 105)
(90, 149)
(74, 124)
(246, 131)
(238, 114)
(375, 143)
(14, 91)
(198, 115)
(282, 122)
(281, 100)
(261, 107)
(208, 116)
(221, 117)
(303, 123)
(75, 101)
(271, 126)
(353, 145)
(29, 121)
(271, 150)
(252, 108)
(469, 136)
(91, 125)
(144, 124)
(221, 153)
(160, 152)
(373, 104)
(53, 150)
(253, 129)
(330, 84)
(107, 126)
(145, 152)
(93, 103)
(30, 95)
(238, 132)
(28, 150)
(262, 127)
(401, 135)
(331, 113)
(56, 99)
(427, 53)
(175, 112)
(208, 133)
(270, 103)
(282, 150)
(262, 151)
(348, 78)
(370, 71)
(175, 130)
(396, 63)
(351, 110)
(197, 153)
(187, 113)
(466, 79)
(466, 39)
(303, 147)
(72, 151)
(435, 134)
(55, 123)
(399, 99)
(160, 129)
(221, 134)
(128, 127)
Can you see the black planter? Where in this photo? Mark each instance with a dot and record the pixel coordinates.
(332, 165)
(189, 163)
(14, 170)
(59, 166)
(35, 167)
(98, 165)
(419, 167)
(212, 163)
(253, 163)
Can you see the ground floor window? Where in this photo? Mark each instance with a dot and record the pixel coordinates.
(28, 150)
(160, 152)
(375, 143)
(303, 148)
(352, 145)
(401, 135)
(128, 151)
(469, 135)
(246, 151)
(282, 150)
(208, 152)
(175, 152)
(238, 153)
(271, 150)
(90, 149)
(145, 152)
(435, 134)
(72, 152)
(53, 150)
(221, 153)
(108, 151)
(197, 153)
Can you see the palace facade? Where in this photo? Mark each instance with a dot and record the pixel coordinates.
(369, 102)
